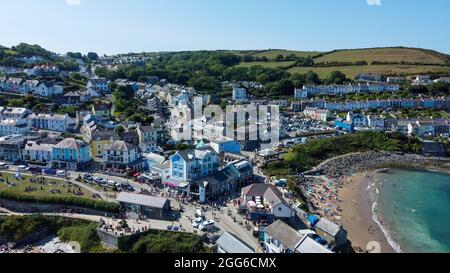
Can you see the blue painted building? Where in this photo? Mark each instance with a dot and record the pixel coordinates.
(344, 125)
(70, 154)
(226, 146)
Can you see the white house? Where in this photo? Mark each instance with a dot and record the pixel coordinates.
(98, 84)
(47, 89)
(38, 153)
(52, 122)
(376, 123)
(265, 199)
(13, 113)
(121, 155)
(13, 127)
(279, 237)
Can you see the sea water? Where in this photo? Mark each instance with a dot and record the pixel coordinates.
(413, 209)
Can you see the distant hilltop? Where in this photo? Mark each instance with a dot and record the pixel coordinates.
(384, 61)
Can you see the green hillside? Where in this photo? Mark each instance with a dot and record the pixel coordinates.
(387, 70)
(387, 61)
(397, 54)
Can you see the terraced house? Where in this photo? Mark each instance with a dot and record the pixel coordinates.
(121, 155)
(70, 154)
(52, 122)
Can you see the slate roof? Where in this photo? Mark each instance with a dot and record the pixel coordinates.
(143, 200)
(120, 145)
(284, 234)
(232, 244)
(328, 227)
(268, 191)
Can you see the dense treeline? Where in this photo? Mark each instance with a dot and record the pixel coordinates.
(434, 89)
(63, 200)
(205, 71)
(127, 107)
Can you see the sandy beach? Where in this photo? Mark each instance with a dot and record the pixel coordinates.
(357, 216)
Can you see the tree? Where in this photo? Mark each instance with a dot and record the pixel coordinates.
(282, 88)
(439, 87)
(336, 77)
(312, 78)
(92, 56)
(279, 58)
(418, 89)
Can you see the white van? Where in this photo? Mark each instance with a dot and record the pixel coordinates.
(206, 225)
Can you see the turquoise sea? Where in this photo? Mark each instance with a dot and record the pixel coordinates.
(413, 208)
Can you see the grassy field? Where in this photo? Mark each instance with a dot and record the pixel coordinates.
(352, 71)
(267, 64)
(385, 55)
(272, 54)
(48, 188)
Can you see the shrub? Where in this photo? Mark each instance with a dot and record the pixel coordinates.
(68, 201)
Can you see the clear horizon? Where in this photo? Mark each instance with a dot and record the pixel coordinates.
(112, 27)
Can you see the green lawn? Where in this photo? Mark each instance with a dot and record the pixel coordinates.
(385, 55)
(48, 188)
(352, 71)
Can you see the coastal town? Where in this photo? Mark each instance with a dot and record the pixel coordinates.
(224, 136)
(134, 171)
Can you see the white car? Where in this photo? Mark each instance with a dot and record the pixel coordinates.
(61, 173)
(3, 166)
(23, 168)
(206, 225)
(99, 180)
(197, 222)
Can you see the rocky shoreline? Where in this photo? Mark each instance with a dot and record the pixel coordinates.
(337, 168)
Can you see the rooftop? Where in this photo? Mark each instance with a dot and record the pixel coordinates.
(143, 200)
(120, 145)
(232, 244)
(284, 234)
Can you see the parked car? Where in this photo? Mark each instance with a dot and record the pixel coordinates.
(206, 225)
(100, 180)
(111, 184)
(197, 222)
(88, 177)
(61, 173)
(3, 166)
(22, 168)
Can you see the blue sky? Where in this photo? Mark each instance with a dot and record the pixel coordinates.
(121, 26)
